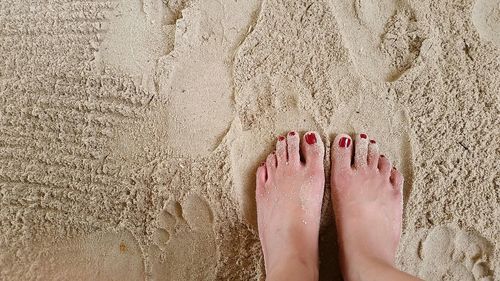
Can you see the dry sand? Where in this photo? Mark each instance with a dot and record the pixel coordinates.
(130, 130)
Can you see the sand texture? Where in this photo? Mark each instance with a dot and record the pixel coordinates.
(130, 130)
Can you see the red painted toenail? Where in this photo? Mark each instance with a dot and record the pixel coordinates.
(344, 142)
(310, 138)
(363, 136)
(382, 155)
(281, 138)
(373, 141)
(292, 133)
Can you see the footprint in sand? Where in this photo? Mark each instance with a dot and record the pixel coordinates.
(137, 34)
(448, 253)
(486, 19)
(184, 246)
(194, 80)
(383, 37)
(178, 51)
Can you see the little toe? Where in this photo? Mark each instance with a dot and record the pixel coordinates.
(261, 173)
(261, 179)
(281, 153)
(313, 149)
(361, 151)
(396, 179)
(384, 165)
(341, 154)
(292, 144)
(373, 154)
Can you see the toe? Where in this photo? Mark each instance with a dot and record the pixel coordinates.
(313, 149)
(384, 165)
(360, 151)
(341, 153)
(261, 173)
(396, 179)
(281, 153)
(260, 179)
(373, 154)
(292, 145)
(271, 164)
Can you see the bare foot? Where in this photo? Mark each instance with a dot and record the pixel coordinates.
(367, 200)
(289, 194)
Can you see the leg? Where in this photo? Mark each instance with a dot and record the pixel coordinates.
(289, 194)
(367, 200)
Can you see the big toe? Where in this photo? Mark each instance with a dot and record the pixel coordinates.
(341, 153)
(313, 150)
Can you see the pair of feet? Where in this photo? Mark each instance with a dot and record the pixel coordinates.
(367, 200)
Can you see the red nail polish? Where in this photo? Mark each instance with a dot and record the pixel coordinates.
(344, 142)
(382, 155)
(292, 133)
(310, 138)
(363, 136)
(281, 138)
(373, 141)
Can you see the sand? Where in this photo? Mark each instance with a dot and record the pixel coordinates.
(130, 130)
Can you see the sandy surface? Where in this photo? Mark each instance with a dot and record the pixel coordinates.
(130, 130)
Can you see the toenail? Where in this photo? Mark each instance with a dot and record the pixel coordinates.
(262, 164)
(382, 155)
(292, 133)
(373, 141)
(310, 138)
(281, 138)
(363, 136)
(344, 142)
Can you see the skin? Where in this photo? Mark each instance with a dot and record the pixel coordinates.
(367, 200)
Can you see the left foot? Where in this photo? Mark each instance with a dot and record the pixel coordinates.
(289, 194)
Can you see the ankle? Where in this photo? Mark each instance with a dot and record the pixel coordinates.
(294, 268)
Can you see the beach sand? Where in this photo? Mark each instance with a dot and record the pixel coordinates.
(130, 130)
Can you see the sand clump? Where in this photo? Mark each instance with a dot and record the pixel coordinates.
(131, 130)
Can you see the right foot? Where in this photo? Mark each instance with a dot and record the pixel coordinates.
(367, 200)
